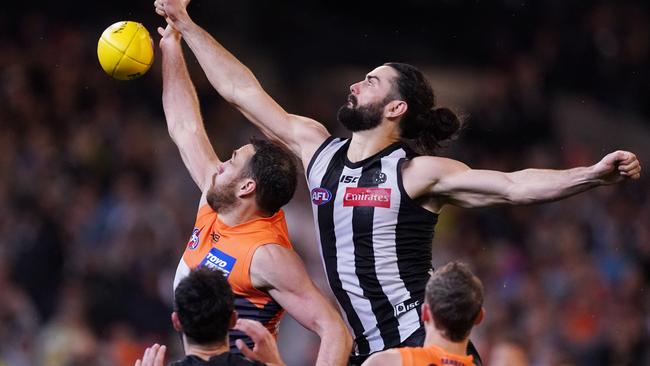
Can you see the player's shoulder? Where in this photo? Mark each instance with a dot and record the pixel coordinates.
(274, 253)
(437, 162)
(388, 357)
(274, 265)
(429, 169)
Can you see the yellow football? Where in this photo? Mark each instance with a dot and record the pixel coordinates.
(125, 50)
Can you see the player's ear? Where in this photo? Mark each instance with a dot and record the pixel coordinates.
(395, 109)
(176, 322)
(246, 187)
(480, 316)
(426, 314)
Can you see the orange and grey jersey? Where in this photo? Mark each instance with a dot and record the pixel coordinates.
(230, 249)
(432, 355)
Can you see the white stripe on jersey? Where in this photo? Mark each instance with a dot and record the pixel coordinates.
(345, 260)
(383, 238)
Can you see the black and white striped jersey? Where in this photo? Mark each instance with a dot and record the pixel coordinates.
(375, 241)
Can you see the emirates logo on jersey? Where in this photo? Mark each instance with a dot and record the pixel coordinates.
(375, 197)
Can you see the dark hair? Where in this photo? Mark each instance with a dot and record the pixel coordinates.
(423, 127)
(273, 168)
(455, 297)
(204, 303)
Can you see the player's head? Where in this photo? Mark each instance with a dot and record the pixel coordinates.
(399, 92)
(453, 301)
(263, 170)
(367, 102)
(203, 307)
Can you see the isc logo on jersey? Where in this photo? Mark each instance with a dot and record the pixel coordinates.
(218, 260)
(406, 306)
(320, 196)
(194, 239)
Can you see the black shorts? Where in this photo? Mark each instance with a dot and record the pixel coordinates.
(416, 340)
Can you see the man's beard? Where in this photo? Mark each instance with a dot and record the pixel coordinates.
(361, 118)
(222, 199)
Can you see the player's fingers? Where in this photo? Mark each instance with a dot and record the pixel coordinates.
(160, 356)
(149, 355)
(161, 31)
(138, 363)
(145, 356)
(629, 157)
(253, 329)
(243, 348)
(628, 167)
(634, 171)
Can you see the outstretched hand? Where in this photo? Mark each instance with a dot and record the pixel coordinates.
(265, 350)
(172, 9)
(617, 166)
(153, 356)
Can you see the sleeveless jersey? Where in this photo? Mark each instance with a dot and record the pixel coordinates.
(432, 355)
(230, 249)
(375, 241)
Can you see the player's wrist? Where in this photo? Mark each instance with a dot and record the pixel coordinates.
(170, 42)
(182, 22)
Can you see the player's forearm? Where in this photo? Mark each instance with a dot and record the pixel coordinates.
(540, 185)
(225, 72)
(180, 102)
(335, 345)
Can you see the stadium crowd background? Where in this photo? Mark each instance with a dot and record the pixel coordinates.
(96, 206)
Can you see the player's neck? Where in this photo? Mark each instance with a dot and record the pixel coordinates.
(205, 352)
(365, 144)
(434, 338)
(240, 214)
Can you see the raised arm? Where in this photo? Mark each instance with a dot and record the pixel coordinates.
(448, 181)
(237, 84)
(182, 112)
(288, 283)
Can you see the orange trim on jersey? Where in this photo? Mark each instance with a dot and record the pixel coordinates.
(426, 356)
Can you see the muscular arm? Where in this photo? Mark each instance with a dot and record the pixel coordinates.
(182, 112)
(288, 283)
(237, 84)
(450, 181)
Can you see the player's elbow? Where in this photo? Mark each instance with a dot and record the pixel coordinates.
(175, 131)
(240, 92)
(182, 133)
(333, 327)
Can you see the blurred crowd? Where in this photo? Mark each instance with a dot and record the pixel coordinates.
(97, 206)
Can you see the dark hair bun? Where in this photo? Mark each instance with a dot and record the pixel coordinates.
(445, 123)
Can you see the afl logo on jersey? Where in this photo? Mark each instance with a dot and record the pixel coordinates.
(194, 239)
(320, 196)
